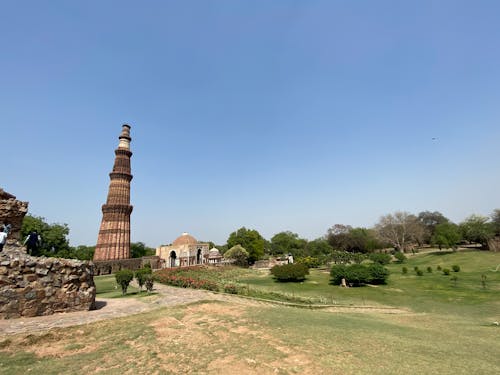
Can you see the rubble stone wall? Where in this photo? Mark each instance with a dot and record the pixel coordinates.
(12, 212)
(33, 286)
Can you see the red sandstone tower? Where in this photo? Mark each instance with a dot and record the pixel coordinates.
(114, 234)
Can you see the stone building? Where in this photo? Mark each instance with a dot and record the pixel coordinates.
(113, 242)
(184, 251)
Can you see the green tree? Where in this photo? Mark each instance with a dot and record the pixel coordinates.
(54, 236)
(141, 276)
(477, 229)
(123, 278)
(139, 249)
(287, 242)
(239, 254)
(338, 237)
(318, 248)
(83, 252)
(446, 235)
(429, 221)
(346, 238)
(249, 239)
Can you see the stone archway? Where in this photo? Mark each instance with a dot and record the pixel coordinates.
(198, 257)
(172, 258)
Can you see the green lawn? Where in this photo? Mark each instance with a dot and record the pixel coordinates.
(107, 287)
(432, 292)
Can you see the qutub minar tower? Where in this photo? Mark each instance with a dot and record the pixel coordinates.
(113, 241)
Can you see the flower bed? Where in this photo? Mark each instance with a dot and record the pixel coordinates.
(198, 277)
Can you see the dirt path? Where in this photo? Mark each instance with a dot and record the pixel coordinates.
(108, 308)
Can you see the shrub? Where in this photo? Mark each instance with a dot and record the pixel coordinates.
(380, 258)
(446, 271)
(455, 268)
(359, 274)
(415, 268)
(149, 282)
(290, 272)
(310, 262)
(239, 254)
(438, 268)
(123, 278)
(420, 273)
(429, 269)
(378, 273)
(400, 257)
(230, 288)
(404, 270)
(140, 276)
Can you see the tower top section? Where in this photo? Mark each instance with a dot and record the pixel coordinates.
(125, 137)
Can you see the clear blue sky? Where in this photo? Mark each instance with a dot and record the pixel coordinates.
(274, 115)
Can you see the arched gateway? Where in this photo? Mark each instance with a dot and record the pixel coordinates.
(185, 251)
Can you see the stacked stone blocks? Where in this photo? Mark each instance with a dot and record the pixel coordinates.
(32, 286)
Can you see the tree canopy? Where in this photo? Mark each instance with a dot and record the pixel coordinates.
(288, 242)
(477, 229)
(251, 240)
(446, 235)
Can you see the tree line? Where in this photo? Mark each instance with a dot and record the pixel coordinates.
(401, 231)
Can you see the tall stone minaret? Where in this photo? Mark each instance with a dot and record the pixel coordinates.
(113, 241)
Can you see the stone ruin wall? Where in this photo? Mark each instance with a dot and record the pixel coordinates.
(33, 286)
(106, 267)
(12, 212)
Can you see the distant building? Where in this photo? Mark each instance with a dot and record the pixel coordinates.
(184, 251)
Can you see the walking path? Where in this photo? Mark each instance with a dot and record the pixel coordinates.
(108, 308)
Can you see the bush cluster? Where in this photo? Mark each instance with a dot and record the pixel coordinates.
(359, 274)
(143, 274)
(380, 258)
(290, 272)
(455, 268)
(310, 262)
(400, 257)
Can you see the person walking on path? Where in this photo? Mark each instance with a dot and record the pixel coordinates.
(3, 238)
(32, 243)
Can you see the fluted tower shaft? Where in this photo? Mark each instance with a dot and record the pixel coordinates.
(113, 241)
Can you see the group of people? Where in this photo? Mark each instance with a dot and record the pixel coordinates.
(32, 242)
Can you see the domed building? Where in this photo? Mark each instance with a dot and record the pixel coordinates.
(184, 251)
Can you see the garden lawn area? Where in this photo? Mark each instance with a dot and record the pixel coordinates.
(432, 292)
(107, 287)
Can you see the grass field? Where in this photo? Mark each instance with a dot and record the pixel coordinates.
(446, 330)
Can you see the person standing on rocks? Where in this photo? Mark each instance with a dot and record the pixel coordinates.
(3, 238)
(32, 243)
